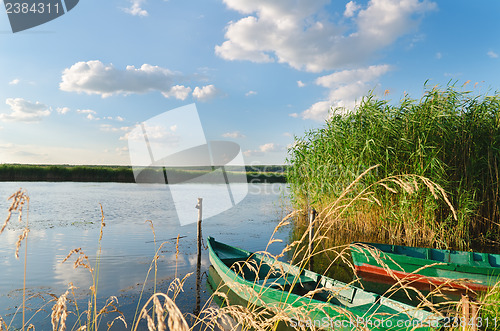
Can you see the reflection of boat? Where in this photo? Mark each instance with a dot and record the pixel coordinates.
(308, 298)
(426, 268)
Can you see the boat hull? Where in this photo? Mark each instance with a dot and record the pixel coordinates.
(347, 307)
(426, 269)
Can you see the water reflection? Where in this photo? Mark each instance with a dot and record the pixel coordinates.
(65, 216)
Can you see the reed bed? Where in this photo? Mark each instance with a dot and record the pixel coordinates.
(450, 136)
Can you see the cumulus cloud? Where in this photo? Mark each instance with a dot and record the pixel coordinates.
(233, 135)
(300, 83)
(346, 88)
(306, 36)
(25, 111)
(205, 93)
(263, 149)
(351, 8)
(14, 81)
(180, 92)
(250, 93)
(62, 110)
(90, 114)
(135, 8)
(95, 77)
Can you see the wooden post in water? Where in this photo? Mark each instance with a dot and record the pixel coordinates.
(198, 264)
(199, 207)
(312, 217)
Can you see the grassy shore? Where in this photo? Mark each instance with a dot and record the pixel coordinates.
(124, 174)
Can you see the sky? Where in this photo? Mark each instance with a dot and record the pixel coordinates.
(260, 72)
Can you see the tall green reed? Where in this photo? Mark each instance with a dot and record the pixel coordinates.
(450, 135)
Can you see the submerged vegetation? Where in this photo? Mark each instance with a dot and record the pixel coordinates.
(450, 137)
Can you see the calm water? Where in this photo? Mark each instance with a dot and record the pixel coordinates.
(64, 216)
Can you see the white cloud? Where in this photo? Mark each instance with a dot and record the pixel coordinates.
(90, 114)
(250, 93)
(353, 76)
(346, 89)
(119, 118)
(180, 92)
(156, 134)
(300, 83)
(94, 77)
(205, 93)
(233, 135)
(306, 37)
(25, 111)
(492, 54)
(351, 8)
(14, 81)
(86, 111)
(62, 110)
(111, 128)
(135, 8)
(263, 149)
(439, 56)
(271, 147)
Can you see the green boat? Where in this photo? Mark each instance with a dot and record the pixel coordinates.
(426, 268)
(308, 298)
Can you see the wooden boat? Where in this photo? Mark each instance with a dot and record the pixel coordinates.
(308, 298)
(426, 268)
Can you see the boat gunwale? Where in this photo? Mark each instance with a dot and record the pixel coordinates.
(403, 259)
(406, 310)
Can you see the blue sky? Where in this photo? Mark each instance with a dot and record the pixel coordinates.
(259, 71)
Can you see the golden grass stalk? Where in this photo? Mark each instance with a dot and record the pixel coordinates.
(60, 313)
(175, 321)
(19, 199)
(22, 237)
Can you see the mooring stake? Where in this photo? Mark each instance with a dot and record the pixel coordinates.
(198, 264)
(312, 217)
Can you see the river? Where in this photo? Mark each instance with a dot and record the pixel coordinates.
(67, 215)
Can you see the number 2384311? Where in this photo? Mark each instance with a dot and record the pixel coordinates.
(32, 8)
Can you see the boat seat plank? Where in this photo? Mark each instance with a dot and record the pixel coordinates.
(283, 281)
(479, 259)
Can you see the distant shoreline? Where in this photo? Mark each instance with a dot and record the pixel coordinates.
(125, 174)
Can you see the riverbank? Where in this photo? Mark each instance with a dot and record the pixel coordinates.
(124, 174)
